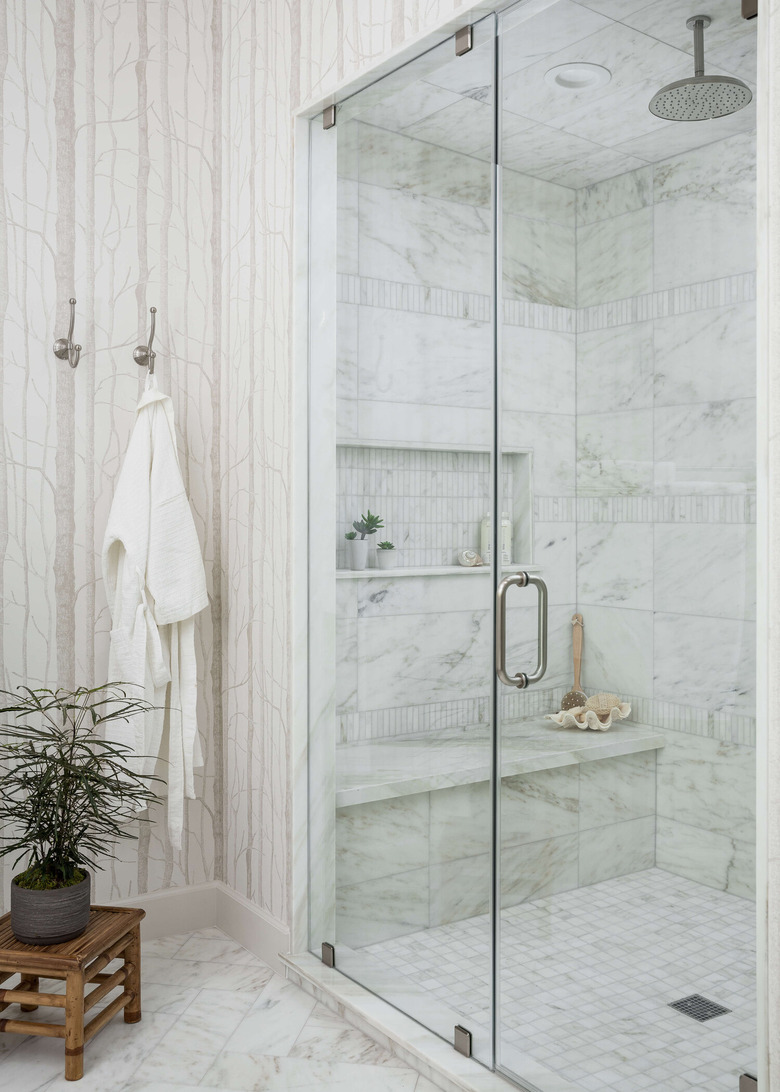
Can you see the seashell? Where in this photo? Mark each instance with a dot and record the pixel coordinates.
(469, 559)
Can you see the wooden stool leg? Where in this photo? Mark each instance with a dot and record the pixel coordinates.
(28, 982)
(74, 1026)
(133, 980)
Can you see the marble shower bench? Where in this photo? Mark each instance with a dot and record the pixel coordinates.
(413, 826)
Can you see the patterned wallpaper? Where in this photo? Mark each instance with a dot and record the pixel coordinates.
(146, 159)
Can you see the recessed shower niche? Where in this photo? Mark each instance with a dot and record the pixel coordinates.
(432, 502)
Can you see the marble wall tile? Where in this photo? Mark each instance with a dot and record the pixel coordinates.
(538, 370)
(555, 552)
(614, 258)
(539, 261)
(705, 570)
(697, 662)
(347, 350)
(615, 565)
(459, 889)
(526, 195)
(709, 447)
(346, 665)
(618, 651)
(614, 790)
(412, 659)
(616, 850)
(522, 638)
(705, 356)
(708, 783)
(460, 823)
(615, 453)
(407, 423)
(716, 860)
(422, 240)
(538, 806)
(614, 196)
(381, 597)
(551, 438)
(536, 869)
(615, 368)
(348, 227)
(425, 359)
(381, 909)
(382, 838)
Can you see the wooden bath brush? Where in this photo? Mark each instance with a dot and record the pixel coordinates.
(575, 698)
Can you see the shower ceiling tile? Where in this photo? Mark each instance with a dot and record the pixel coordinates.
(412, 104)
(676, 137)
(527, 40)
(630, 56)
(465, 126)
(540, 150)
(730, 40)
(613, 9)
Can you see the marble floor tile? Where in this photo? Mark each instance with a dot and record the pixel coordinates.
(260, 1073)
(275, 1020)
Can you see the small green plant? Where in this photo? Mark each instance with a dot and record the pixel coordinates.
(368, 524)
(385, 546)
(351, 535)
(65, 792)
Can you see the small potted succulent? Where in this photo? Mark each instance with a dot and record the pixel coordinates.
(66, 795)
(385, 557)
(357, 548)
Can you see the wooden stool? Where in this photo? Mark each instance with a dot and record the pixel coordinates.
(112, 931)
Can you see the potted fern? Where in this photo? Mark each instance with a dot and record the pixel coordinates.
(357, 548)
(66, 795)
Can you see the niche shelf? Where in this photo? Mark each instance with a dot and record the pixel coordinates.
(432, 499)
(430, 570)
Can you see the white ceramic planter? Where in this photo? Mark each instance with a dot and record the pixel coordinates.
(385, 559)
(357, 553)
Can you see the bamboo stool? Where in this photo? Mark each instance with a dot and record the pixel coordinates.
(112, 931)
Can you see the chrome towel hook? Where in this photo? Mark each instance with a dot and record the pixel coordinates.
(64, 349)
(142, 354)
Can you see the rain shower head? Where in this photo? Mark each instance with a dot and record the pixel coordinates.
(700, 97)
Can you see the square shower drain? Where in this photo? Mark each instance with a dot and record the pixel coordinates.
(698, 1007)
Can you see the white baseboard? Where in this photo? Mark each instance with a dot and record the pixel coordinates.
(185, 909)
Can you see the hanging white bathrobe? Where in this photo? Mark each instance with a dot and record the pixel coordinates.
(156, 584)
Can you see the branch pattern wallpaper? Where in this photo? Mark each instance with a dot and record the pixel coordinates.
(146, 160)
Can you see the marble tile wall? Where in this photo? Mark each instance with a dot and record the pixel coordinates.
(665, 499)
(420, 861)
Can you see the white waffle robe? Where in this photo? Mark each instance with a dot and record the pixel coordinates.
(156, 584)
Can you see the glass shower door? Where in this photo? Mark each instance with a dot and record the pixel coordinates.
(624, 888)
(401, 511)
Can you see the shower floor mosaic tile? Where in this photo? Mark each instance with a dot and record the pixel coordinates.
(214, 1017)
(587, 978)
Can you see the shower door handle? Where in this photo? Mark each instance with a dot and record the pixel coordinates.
(521, 680)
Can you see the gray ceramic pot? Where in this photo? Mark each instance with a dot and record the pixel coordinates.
(50, 917)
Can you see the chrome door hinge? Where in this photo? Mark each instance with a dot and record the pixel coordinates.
(464, 41)
(329, 117)
(748, 1083)
(328, 954)
(462, 1040)
(749, 9)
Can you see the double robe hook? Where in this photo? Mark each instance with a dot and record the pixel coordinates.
(64, 349)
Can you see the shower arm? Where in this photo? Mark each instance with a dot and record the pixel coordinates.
(698, 24)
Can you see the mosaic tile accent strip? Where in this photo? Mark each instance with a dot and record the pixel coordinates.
(373, 292)
(464, 713)
(432, 502)
(699, 508)
(587, 977)
(673, 301)
(412, 720)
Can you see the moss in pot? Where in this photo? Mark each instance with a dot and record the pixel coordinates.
(66, 796)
